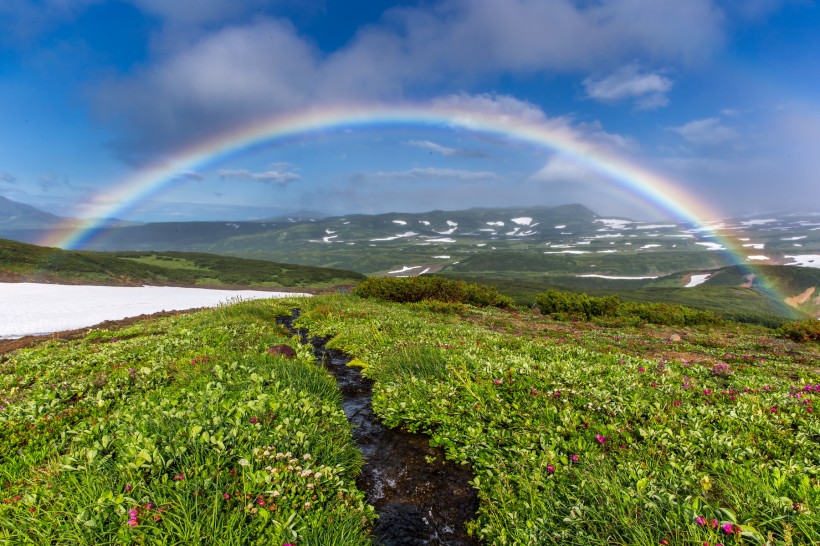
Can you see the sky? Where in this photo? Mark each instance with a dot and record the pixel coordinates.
(720, 97)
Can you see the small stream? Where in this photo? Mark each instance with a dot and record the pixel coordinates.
(418, 503)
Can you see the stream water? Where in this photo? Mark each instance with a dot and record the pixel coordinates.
(418, 502)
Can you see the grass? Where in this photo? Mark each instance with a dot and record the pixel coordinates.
(184, 431)
(584, 434)
(24, 262)
(577, 432)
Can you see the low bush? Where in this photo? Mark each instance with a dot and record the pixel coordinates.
(418, 289)
(801, 330)
(580, 305)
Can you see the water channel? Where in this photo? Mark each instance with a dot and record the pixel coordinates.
(418, 502)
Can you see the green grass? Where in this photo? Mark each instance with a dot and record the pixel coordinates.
(584, 434)
(577, 432)
(23, 262)
(183, 431)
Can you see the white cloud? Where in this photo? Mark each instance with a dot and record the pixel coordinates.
(7, 178)
(561, 170)
(445, 150)
(429, 174)
(279, 175)
(241, 71)
(706, 132)
(629, 82)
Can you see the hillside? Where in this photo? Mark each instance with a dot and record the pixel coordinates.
(20, 262)
(192, 429)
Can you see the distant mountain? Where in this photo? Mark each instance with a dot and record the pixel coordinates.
(14, 215)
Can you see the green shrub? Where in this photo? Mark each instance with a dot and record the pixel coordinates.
(669, 314)
(417, 289)
(570, 304)
(801, 330)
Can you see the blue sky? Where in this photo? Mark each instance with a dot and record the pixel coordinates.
(721, 96)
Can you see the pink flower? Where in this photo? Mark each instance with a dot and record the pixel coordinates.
(254, 420)
(728, 528)
(225, 496)
(773, 409)
(600, 438)
(128, 488)
(715, 523)
(676, 402)
(574, 458)
(707, 392)
(550, 469)
(701, 521)
(498, 381)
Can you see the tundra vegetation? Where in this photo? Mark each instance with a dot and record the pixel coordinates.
(578, 430)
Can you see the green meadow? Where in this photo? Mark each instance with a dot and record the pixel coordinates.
(185, 430)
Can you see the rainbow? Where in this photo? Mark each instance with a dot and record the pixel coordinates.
(627, 175)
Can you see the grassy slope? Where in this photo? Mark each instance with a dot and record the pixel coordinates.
(524, 400)
(20, 261)
(579, 434)
(722, 293)
(181, 430)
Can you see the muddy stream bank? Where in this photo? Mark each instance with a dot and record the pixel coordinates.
(418, 503)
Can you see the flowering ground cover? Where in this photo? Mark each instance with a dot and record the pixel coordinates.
(582, 434)
(184, 430)
(181, 430)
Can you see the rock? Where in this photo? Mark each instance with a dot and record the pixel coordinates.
(674, 338)
(285, 351)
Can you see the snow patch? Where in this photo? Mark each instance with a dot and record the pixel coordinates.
(35, 309)
(522, 221)
(405, 269)
(756, 246)
(712, 246)
(758, 222)
(499, 223)
(613, 223)
(656, 226)
(757, 257)
(794, 238)
(696, 280)
(442, 240)
(560, 227)
(648, 246)
(805, 260)
(398, 236)
(442, 257)
(400, 222)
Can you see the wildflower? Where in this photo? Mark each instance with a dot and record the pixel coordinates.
(701, 521)
(601, 439)
(574, 458)
(773, 409)
(225, 496)
(243, 462)
(664, 541)
(728, 528)
(641, 369)
(254, 420)
(498, 381)
(179, 477)
(128, 488)
(676, 402)
(715, 523)
(707, 392)
(550, 469)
